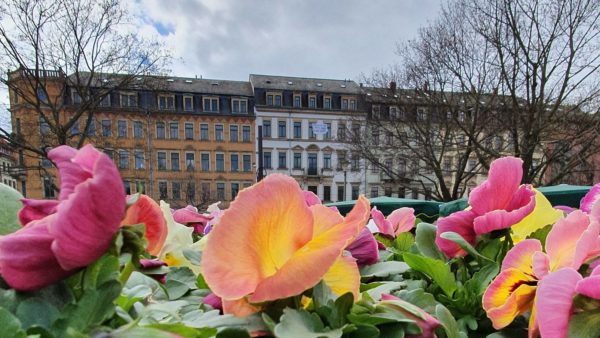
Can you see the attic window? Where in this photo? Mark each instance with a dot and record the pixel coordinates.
(170, 80)
(343, 86)
(215, 83)
(319, 85)
(290, 83)
(138, 79)
(268, 81)
(188, 81)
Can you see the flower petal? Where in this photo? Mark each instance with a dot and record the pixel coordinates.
(384, 226)
(324, 218)
(146, 210)
(510, 294)
(520, 256)
(542, 215)
(87, 220)
(311, 198)
(26, 259)
(364, 248)
(190, 214)
(71, 173)
(402, 220)
(36, 209)
(522, 204)
(300, 272)
(460, 222)
(497, 191)
(562, 240)
(590, 286)
(343, 277)
(239, 307)
(590, 198)
(554, 302)
(262, 229)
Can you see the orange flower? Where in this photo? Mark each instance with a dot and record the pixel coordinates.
(270, 245)
(146, 210)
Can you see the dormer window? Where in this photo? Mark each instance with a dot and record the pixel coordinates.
(376, 112)
(345, 104)
(211, 104)
(75, 97)
(273, 99)
(188, 103)
(352, 105)
(129, 100)
(166, 102)
(105, 101)
(239, 106)
(312, 101)
(297, 101)
(327, 102)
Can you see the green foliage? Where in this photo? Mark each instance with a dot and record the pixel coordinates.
(585, 324)
(425, 241)
(302, 324)
(435, 269)
(10, 206)
(384, 269)
(541, 234)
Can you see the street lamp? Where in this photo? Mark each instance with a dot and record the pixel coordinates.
(344, 164)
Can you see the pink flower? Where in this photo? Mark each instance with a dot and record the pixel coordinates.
(400, 220)
(364, 248)
(311, 198)
(426, 322)
(588, 201)
(498, 203)
(76, 231)
(191, 217)
(554, 302)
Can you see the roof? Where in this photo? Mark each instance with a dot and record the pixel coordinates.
(304, 84)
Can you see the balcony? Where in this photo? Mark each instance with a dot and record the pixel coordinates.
(312, 171)
(18, 172)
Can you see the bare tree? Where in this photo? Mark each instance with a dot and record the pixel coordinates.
(60, 59)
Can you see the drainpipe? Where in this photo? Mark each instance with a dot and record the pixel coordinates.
(150, 163)
(261, 169)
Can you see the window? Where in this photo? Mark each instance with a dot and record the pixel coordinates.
(205, 190)
(205, 159)
(106, 128)
(235, 188)
(104, 101)
(402, 166)
(341, 193)
(326, 161)
(190, 161)
(327, 193)
(127, 186)
(176, 190)
(138, 129)
(161, 157)
(189, 131)
(297, 160)
(355, 192)
(269, 100)
(246, 134)
(175, 161)
(48, 188)
(282, 160)
(389, 139)
(41, 95)
(174, 130)
(122, 128)
(327, 135)
(139, 159)
(233, 133)
(129, 100)
(204, 132)
(345, 104)
(393, 113)
(46, 163)
(140, 186)
(219, 135)
(471, 165)
(75, 96)
(374, 168)
(166, 102)
(311, 131)
(247, 163)
(376, 112)
(354, 162)
(91, 128)
(281, 125)
(447, 163)
(375, 135)
(220, 191)
(297, 129)
(235, 165)
(267, 159)
(220, 162)
(312, 101)
(388, 162)
(160, 130)
(341, 132)
(191, 192)
(266, 128)
(108, 153)
(297, 101)
(352, 104)
(162, 190)
(211, 104)
(123, 159)
(374, 192)
(188, 103)
(278, 100)
(239, 106)
(327, 102)
(421, 114)
(75, 128)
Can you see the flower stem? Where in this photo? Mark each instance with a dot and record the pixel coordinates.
(126, 272)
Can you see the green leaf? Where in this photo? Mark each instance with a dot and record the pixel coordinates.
(144, 332)
(384, 269)
(404, 241)
(301, 324)
(460, 241)
(448, 322)
(375, 290)
(425, 241)
(193, 256)
(176, 289)
(233, 333)
(184, 331)
(103, 270)
(201, 283)
(482, 278)
(9, 208)
(585, 324)
(36, 311)
(387, 241)
(437, 270)
(10, 327)
(364, 331)
(541, 234)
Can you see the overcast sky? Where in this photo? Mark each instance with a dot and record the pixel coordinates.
(229, 39)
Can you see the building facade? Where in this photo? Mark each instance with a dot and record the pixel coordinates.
(7, 165)
(189, 142)
(304, 123)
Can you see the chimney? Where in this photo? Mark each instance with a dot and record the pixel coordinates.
(393, 86)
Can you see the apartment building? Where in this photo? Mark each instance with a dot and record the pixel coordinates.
(304, 123)
(7, 165)
(186, 140)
